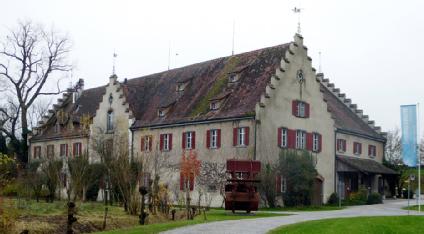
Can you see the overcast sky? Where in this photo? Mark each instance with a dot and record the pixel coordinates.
(371, 50)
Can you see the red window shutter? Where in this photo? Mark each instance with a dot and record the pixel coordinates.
(170, 141)
(191, 182)
(181, 181)
(235, 136)
(307, 110)
(278, 184)
(279, 136)
(208, 139)
(218, 139)
(291, 138)
(150, 143)
(294, 108)
(183, 141)
(193, 140)
(309, 141)
(142, 143)
(161, 142)
(246, 135)
(319, 142)
(66, 150)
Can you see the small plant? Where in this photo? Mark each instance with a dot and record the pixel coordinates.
(333, 199)
(374, 198)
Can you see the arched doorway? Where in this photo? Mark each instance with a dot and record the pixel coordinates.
(317, 191)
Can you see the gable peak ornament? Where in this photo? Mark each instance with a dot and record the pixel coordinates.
(299, 76)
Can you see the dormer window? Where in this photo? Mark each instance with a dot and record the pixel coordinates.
(233, 77)
(214, 105)
(180, 87)
(161, 113)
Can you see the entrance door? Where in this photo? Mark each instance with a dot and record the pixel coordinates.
(317, 192)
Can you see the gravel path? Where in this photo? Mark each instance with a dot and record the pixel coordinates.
(262, 225)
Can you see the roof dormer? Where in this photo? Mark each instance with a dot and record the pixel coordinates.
(218, 101)
(182, 84)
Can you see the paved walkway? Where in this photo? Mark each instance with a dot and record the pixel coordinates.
(262, 225)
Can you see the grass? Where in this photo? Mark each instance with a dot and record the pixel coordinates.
(369, 225)
(414, 208)
(304, 208)
(212, 215)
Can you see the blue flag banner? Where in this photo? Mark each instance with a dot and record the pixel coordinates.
(408, 116)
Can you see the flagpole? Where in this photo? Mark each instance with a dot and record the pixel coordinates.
(419, 158)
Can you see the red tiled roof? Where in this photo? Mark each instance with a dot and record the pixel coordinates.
(205, 81)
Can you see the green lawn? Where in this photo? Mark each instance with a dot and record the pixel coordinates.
(369, 225)
(415, 208)
(212, 215)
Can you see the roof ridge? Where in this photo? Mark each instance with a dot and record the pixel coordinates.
(207, 61)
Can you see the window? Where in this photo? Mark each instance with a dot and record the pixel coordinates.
(109, 123)
(372, 151)
(77, 149)
(50, 151)
(283, 137)
(233, 78)
(37, 152)
(166, 142)
(213, 138)
(189, 140)
(316, 142)
(214, 105)
(186, 182)
(241, 136)
(180, 87)
(300, 109)
(357, 148)
(283, 184)
(161, 113)
(300, 139)
(146, 143)
(341, 145)
(63, 150)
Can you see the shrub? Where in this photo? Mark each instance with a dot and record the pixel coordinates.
(333, 199)
(10, 189)
(374, 198)
(358, 198)
(298, 168)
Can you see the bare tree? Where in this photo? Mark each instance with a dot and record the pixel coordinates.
(393, 148)
(212, 177)
(29, 56)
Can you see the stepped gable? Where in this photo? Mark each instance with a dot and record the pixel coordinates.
(345, 118)
(86, 104)
(204, 82)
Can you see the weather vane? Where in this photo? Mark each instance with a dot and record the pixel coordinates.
(298, 11)
(114, 62)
